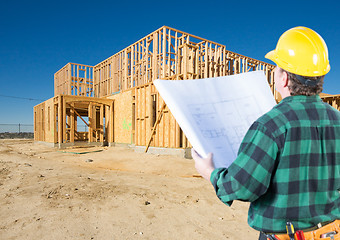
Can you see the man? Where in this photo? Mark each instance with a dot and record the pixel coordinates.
(288, 164)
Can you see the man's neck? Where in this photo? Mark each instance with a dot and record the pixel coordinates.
(285, 93)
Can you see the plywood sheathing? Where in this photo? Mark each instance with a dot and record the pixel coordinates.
(148, 106)
(44, 121)
(122, 112)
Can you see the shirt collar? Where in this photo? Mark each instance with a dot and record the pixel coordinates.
(302, 98)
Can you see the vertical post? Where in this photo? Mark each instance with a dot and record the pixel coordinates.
(64, 119)
(168, 70)
(164, 54)
(60, 120)
(111, 124)
(101, 123)
(107, 122)
(72, 127)
(176, 55)
(132, 65)
(69, 84)
(185, 61)
(224, 61)
(55, 127)
(75, 123)
(154, 56)
(90, 117)
(206, 61)
(177, 135)
(196, 72)
(125, 74)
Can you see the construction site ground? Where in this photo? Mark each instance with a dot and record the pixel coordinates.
(109, 193)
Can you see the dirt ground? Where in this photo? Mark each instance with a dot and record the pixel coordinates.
(109, 193)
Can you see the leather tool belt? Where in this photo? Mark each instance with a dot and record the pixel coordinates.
(330, 231)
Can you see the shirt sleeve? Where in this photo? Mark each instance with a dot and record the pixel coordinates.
(248, 177)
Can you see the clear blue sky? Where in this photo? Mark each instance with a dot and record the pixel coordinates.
(37, 38)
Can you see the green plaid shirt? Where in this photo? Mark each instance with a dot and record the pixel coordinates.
(288, 166)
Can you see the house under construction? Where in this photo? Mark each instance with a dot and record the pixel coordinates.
(116, 98)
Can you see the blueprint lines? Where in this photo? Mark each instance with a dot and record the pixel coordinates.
(216, 113)
(224, 124)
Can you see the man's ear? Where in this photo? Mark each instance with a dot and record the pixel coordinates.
(284, 79)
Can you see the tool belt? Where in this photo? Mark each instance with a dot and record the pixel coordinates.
(329, 231)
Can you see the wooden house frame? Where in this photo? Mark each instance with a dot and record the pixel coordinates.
(56, 120)
(121, 103)
(333, 100)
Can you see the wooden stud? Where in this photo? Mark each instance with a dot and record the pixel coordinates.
(155, 126)
(90, 117)
(55, 126)
(168, 71)
(64, 120)
(101, 123)
(60, 120)
(154, 56)
(163, 65)
(132, 66)
(112, 123)
(72, 123)
(125, 75)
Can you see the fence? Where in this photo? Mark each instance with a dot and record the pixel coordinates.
(28, 128)
(16, 128)
(10, 131)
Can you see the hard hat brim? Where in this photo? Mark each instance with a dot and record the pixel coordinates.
(270, 55)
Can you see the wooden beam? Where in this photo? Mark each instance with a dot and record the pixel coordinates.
(60, 120)
(155, 127)
(112, 123)
(75, 111)
(72, 125)
(90, 117)
(55, 125)
(101, 123)
(163, 65)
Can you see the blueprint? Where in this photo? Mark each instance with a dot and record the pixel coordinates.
(215, 113)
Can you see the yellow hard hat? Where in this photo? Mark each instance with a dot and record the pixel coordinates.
(301, 51)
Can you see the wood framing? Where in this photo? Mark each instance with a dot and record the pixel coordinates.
(333, 100)
(74, 79)
(168, 53)
(150, 109)
(65, 111)
(117, 101)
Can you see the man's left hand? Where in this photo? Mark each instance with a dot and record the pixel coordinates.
(204, 166)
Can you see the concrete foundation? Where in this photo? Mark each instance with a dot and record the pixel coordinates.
(178, 152)
(80, 144)
(75, 144)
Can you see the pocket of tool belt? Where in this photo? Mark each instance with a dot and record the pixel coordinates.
(316, 234)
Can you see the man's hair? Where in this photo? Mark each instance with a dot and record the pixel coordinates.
(297, 88)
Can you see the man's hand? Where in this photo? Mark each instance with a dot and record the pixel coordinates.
(204, 166)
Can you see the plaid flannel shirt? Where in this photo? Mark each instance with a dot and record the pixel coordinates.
(288, 166)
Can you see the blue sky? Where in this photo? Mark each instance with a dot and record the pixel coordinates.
(37, 38)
